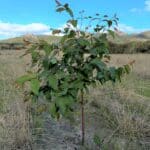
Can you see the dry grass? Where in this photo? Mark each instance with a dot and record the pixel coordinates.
(119, 114)
(141, 65)
(123, 108)
(14, 128)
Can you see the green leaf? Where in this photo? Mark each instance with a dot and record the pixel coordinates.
(47, 48)
(45, 63)
(25, 78)
(82, 33)
(109, 23)
(97, 140)
(127, 69)
(58, 3)
(61, 105)
(64, 103)
(73, 92)
(111, 33)
(41, 108)
(35, 86)
(35, 56)
(115, 21)
(106, 75)
(60, 75)
(53, 110)
(56, 31)
(53, 82)
(112, 71)
(71, 34)
(73, 22)
(93, 51)
(60, 9)
(98, 63)
(83, 42)
(69, 11)
(77, 84)
(66, 30)
(120, 72)
(100, 75)
(63, 92)
(44, 74)
(105, 16)
(53, 60)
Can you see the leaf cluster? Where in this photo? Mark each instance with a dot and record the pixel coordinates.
(70, 66)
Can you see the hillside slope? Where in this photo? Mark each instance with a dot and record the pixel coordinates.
(20, 39)
(122, 43)
(119, 38)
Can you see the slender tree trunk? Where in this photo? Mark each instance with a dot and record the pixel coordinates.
(82, 118)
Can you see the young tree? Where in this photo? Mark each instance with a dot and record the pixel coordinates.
(65, 69)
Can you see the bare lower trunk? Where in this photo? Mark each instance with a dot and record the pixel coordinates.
(82, 118)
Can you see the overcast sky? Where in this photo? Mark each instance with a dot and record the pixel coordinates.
(18, 17)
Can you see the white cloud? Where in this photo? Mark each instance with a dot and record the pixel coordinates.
(147, 5)
(139, 10)
(136, 10)
(8, 30)
(12, 29)
(129, 29)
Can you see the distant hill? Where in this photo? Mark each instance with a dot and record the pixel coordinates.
(120, 37)
(126, 38)
(18, 43)
(40, 37)
(122, 43)
(144, 35)
(130, 43)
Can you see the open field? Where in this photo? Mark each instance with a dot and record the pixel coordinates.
(118, 115)
(13, 116)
